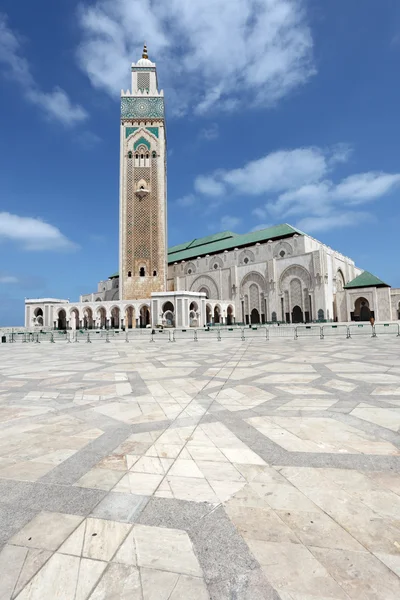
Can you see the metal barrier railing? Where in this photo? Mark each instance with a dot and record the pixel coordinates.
(308, 331)
(387, 328)
(334, 331)
(361, 329)
(211, 334)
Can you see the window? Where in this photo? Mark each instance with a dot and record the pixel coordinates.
(129, 273)
(282, 253)
(154, 154)
(129, 154)
(142, 272)
(154, 273)
(246, 260)
(216, 266)
(137, 156)
(189, 271)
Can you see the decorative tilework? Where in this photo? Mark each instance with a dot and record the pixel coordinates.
(130, 130)
(153, 130)
(139, 108)
(141, 141)
(134, 69)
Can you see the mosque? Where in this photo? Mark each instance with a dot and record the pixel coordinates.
(278, 274)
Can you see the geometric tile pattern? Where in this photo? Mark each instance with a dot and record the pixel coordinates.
(211, 470)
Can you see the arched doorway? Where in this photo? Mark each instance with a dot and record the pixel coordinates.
(38, 317)
(88, 318)
(208, 314)
(255, 316)
(129, 317)
(193, 314)
(144, 319)
(229, 315)
(297, 315)
(217, 314)
(115, 312)
(168, 311)
(62, 320)
(362, 311)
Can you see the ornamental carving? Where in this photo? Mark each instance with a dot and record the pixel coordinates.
(208, 282)
(142, 108)
(292, 272)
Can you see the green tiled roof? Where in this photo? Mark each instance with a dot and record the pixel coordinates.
(366, 279)
(113, 275)
(227, 241)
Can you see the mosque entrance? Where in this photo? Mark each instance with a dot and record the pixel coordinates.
(144, 319)
(255, 317)
(362, 311)
(297, 315)
(62, 320)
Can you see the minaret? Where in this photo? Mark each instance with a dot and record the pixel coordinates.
(143, 206)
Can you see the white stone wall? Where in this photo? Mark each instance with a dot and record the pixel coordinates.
(224, 276)
(395, 303)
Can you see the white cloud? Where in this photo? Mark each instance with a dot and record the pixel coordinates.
(8, 279)
(301, 182)
(209, 186)
(333, 221)
(209, 133)
(33, 233)
(274, 172)
(56, 105)
(229, 222)
(261, 226)
(212, 54)
(365, 187)
(187, 200)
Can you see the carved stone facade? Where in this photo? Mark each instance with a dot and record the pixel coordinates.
(278, 274)
(143, 249)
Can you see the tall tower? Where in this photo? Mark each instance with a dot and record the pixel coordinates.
(143, 207)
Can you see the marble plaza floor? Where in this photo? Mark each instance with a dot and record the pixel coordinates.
(186, 471)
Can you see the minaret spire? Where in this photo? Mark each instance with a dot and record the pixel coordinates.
(145, 55)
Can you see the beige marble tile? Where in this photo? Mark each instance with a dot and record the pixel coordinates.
(103, 538)
(226, 489)
(35, 559)
(318, 529)
(56, 580)
(192, 489)
(361, 575)
(46, 530)
(185, 468)
(152, 464)
(206, 453)
(119, 582)
(12, 559)
(165, 549)
(126, 553)
(260, 524)
(74, 544)
(189, 587)
(138, 483)
(26, 471)
(283, 496)
(385, 417)
(243, 456)
(100, 479)
(157, 585)
(90, 572)
(392, 561)
(219, 471)
(293, 568)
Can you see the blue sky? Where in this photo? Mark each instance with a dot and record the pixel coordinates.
(278, 111)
